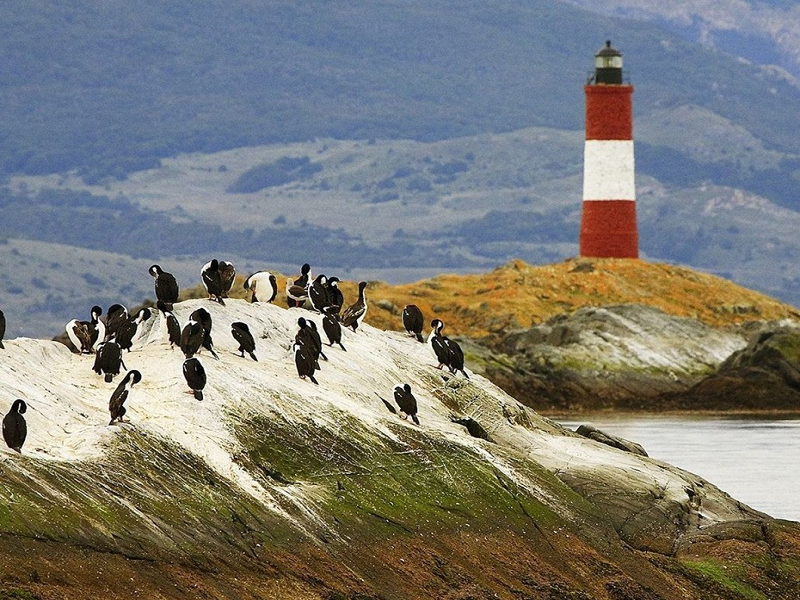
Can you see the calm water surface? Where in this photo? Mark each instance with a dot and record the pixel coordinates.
(756, 461)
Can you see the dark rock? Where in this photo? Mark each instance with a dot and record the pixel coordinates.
(610, 440)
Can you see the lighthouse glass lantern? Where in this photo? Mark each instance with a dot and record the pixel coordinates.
(608, 217)
(608, 65)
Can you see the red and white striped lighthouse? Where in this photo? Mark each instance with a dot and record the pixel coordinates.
(608, 221)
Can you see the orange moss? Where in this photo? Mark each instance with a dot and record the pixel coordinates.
(521, 295)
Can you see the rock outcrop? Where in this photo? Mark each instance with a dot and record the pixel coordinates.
(625, 356)
(272, 487)
(764, 375)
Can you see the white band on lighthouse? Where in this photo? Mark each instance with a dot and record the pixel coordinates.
(608, 170)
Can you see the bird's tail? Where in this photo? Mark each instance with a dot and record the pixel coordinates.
(198, 394)
(109, 377)
(415, 419)
(419, 337)
(314, 381)
(342, 347)
(253, 356)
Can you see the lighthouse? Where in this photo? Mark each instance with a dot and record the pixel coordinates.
(608, 219)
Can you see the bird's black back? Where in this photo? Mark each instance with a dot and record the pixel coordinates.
(15, 430)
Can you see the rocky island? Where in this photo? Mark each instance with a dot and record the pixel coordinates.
(273, 487)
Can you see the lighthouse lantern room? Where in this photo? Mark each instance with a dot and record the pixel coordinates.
(608, 219)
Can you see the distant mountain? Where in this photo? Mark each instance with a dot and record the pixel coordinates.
(766, 32)
(395, 140)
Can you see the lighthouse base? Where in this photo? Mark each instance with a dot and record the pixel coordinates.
(608, 229)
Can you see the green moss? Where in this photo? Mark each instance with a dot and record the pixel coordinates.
(374, 485)
(146, 498)
(788, 344)
(728, 577)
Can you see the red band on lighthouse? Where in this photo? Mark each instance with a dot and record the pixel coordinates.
(608, 221)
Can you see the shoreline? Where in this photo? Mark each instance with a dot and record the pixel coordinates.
(609, 414)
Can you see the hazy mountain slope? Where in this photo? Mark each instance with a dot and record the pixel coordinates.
(764, 32)
(286, 487)
(110, 90)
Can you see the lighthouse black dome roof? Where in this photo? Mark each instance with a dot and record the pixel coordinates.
(608, 50)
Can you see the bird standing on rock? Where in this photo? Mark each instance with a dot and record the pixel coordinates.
(295, 294)
(116, 315)
(212, 280)
(304, 361)
(335, 296)
(87, 336)
(120, 395)
(227, 275)
(447, 352)
(331, 326)
(108, 360)
(413, 320)
(171, 324)
(128, 329)
(298, 287)
(195, 376)
(15, 429)
(406, 401)
(241, 333)
(318, 293)
(202, 316)
(165, 285)
(262, 285)
(355, 313)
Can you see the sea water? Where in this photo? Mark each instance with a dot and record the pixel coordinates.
(757, 461)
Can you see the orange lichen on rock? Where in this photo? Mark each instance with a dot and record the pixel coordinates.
(519, 295)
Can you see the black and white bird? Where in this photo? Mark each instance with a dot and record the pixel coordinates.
(87, 336)
(335, 296)
(447, 352)
(436, 343)
(318, 293)
(202, 316)
(295, 294)
(406, 401)
(332, 327)
(195, 376)
(212, 280)
(108, 360)
(456, 357)
(304, 362)
(317, 340)
(15, 429)
(166, 286)
(305, 276)
(355, 313)
(116, 405)
(413, 320)
(116, 314)
(171, 324)
(241, 333)
(296, 288)
(191, 338)
(262, 285)
(227, 275)
(2, 329)
(128, 329)
(308, 336)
